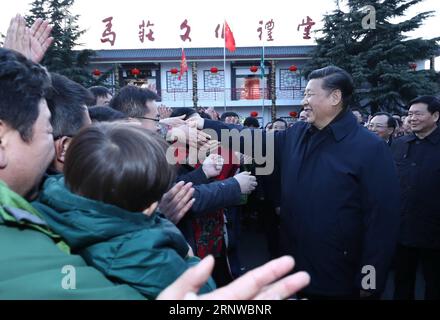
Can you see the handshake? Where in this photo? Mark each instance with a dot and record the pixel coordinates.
(212, 166)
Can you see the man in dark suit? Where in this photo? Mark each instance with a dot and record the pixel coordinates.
(339, 192)
(417, 157)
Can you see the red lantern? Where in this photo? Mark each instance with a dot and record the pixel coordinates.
(135, 71)
(293, 68)
(174, 71)
(293, 114)
(253, 69)
(214, 70)
(254, 114)
(96, 72)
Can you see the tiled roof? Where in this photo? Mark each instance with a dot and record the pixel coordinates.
(200, 53)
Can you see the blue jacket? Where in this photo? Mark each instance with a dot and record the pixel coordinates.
(339, 203)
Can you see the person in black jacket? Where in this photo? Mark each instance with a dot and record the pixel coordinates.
(417, 157)
(339, 191)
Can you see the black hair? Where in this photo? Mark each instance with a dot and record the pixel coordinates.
(119, 164)
(101, 114)
(67, 102)
(228, 114)
(391, 122)
(23, 84)
(99, 91)
(280, 120)
(188, 112)
(132, 101)
(251, 122)
(432, 102)
(335, 78)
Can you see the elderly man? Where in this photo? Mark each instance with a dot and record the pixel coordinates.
(339, 192)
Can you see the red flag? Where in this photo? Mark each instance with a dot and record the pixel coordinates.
(183, 65)
(229, 38)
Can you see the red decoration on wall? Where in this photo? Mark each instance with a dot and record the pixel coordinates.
(135, 71)
(413, 66)
(174, 71)
(96, 72)
(214, 70)
(293, 68)
(293, 114)
(253, 69)
(254, 114)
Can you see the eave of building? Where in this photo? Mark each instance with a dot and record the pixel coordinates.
(200, 54)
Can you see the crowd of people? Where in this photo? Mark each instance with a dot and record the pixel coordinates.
(146, 201)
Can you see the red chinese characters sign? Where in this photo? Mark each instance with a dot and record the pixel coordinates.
(308, 26)
(146, 31)
(108, 35)
(150, 33)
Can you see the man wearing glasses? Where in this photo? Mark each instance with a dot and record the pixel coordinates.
(383, 125)
(138, 104)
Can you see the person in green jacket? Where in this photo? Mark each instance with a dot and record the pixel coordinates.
(105, 207)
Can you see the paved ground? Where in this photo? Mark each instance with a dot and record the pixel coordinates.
(253, 253)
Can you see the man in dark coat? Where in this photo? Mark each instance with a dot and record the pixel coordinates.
(417, 157)
(339, 192)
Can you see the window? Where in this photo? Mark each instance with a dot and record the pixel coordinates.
(176, 85)
(289, 80)
(248, 85)
(214, 81)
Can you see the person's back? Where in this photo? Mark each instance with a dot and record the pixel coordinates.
(33, 267)
(115, 174)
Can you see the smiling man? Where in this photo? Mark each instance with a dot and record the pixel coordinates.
(383, 125)
(339, 192)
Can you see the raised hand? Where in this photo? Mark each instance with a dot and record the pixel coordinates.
(212, 166)
(177, 202)
(40, 39)
(263, 283)
(247, 182)
(32, 43)
(165, 112)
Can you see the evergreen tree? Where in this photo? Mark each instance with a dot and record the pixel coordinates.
(61, 57)
(378, 58)
(39, 9)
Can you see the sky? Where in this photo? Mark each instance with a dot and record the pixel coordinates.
(203, 16)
